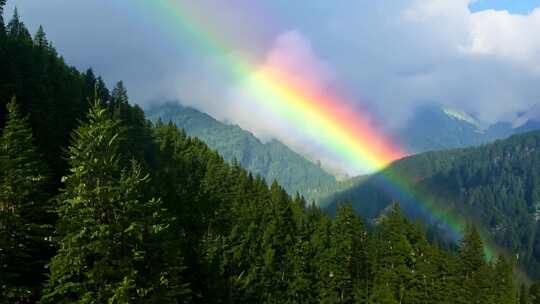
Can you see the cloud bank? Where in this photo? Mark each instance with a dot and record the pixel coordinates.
(389, 56)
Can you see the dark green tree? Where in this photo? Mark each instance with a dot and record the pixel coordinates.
(2, 25)
(503, 283)
(347, 256)
(278, 238)
(113, 240)
(119, 97)
(473, 268)
(25, 229)
(16, 28)
(471, 252)
(40, 39)
(101, 91)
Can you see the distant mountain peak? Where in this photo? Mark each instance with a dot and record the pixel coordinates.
(460, 115)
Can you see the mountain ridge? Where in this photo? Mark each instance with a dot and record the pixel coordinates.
(272, 160)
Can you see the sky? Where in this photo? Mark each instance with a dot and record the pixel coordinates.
(387, 56)
(512, 6)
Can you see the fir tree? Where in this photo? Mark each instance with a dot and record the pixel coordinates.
(347, 254)
(471, 252)
(503, 282)
(119, 97)
(114, 242)
(40, 39)
(2, 25)
(24, 216)
(393, 254)
(473, 269)
(16, 29)
(101, 91)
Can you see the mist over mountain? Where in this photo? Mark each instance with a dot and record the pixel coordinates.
(433, 128)
(272, 160)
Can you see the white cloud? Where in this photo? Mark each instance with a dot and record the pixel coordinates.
(513, 38)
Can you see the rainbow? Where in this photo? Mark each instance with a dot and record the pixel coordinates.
(325, 117)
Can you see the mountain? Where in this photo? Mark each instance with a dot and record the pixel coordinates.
(496, 185)
(437, 128)
(434, 128)
(272, 160)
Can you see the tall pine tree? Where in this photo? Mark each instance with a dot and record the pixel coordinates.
(16, 28)
(473, 270)
(115, 245)
(2, 25)
(25, 228)
(40, 39)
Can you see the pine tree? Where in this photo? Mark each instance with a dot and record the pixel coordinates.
(502, 284)
(471, 252)
(119, 101)
(101, 91)
(16, 29)
(393, 254)
(40, 39)
(25, 227)
(2, 25)
(473, 270)
(277, 239)
(347, 254)
(115, 246)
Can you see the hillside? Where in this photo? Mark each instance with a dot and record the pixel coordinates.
(272, 160)
(497, 185)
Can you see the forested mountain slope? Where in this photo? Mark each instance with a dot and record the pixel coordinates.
(497, 185)
(272, 160)
(136, 212)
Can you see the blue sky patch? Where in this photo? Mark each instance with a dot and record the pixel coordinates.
(523, 7)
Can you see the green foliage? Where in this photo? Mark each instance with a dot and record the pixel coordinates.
(107, 228)
(50, 92)
(16, 29)
(2, 25)
(471, 252)
(25, 229)
(40, 39)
